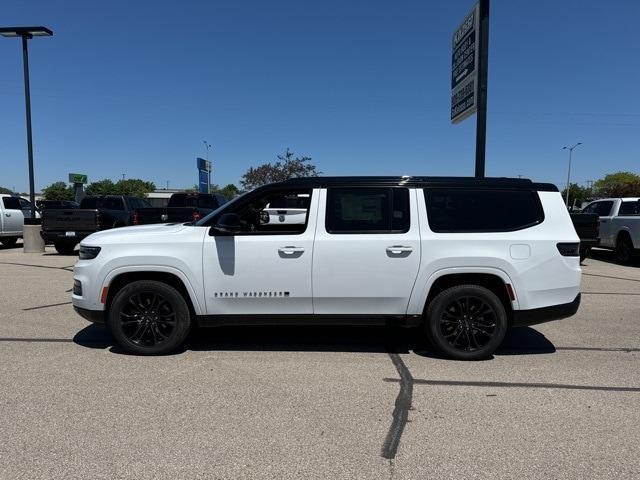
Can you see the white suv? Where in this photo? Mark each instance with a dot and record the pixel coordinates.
(463, 258)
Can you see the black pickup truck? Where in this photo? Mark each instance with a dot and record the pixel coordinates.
(182, 207)
(65, 228)
(587, 227)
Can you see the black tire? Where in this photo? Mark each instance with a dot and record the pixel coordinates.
(466, 322)
(9, 241)
(64, 247)
(147, 317)
(584, 254)
(624, 250)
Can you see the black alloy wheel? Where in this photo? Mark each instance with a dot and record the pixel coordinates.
(149, 318)
(466, 322)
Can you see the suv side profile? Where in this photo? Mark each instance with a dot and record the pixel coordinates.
(463, 259)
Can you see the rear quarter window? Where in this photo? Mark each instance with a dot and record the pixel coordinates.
(482, 210)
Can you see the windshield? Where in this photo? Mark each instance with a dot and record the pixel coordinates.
(205, 221)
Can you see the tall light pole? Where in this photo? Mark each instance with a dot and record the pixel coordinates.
(27, 33)
(569, 170)
(207, 145)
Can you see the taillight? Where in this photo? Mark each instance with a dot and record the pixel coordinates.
(98, 221)
(569, 249)
(135, 218)
(196, 216)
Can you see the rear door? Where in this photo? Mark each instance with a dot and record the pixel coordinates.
(367, 251)
(12, 216)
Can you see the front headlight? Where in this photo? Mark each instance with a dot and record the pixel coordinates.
(87, 253)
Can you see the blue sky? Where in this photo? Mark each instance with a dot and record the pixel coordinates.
(134, 87)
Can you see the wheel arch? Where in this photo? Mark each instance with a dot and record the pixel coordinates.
(118, 278)
(495, 280)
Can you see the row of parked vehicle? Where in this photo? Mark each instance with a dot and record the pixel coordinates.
(66, 227)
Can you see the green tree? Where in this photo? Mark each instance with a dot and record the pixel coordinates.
(6, 190)
(287, 166)
(619, 184)
(101, 187)
(134, 187)
(229, 191)
(58, 191)
(577, 194)
(131, 186)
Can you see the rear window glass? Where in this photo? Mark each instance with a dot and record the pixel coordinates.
(193, 201)
(629, 208)
(468, 210)
(601, 208)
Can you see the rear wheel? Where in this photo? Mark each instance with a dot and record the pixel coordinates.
(624, 250)
(64, 247)
(466, 322)
(149, 318)
(9, 241)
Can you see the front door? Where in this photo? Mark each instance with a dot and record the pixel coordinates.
(367, 251)
(12, 216)
(265, 268)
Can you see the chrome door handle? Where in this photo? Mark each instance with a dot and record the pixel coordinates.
(290, 250)
(398, 249)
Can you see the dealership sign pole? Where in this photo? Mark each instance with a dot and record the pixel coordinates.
(469, 68)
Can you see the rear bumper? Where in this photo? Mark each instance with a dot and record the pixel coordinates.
(535, 316)
(95, 316)
(586, 243)
(58, 235)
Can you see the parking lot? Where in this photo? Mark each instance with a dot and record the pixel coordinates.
(559, 400)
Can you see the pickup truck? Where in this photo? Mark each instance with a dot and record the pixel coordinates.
(459, 259)
(182, 207)
(11, 219)
(619, 225)
(66, 227)
(587, 227)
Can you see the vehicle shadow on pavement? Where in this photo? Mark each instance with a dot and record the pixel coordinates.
(519, 341)
(609, 257)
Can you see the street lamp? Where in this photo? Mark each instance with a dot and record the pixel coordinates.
(26, 33)
(569, 171)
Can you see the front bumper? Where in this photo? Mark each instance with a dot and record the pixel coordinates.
(535, 316)
(95, 316)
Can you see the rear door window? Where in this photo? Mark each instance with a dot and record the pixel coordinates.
(629, 208)
(482, 210)
(367, 210)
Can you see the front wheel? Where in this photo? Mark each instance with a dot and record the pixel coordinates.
(149, 318)
(9, 241)
(466, 322)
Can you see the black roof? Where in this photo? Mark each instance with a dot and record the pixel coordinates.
(421, 182)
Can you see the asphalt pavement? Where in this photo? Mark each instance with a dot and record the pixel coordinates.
(559, 400)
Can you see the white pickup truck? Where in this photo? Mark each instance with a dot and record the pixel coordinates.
(11, 219)
(463, 259)
(619, 225)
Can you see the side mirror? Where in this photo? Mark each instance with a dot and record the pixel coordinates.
(228, 223)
